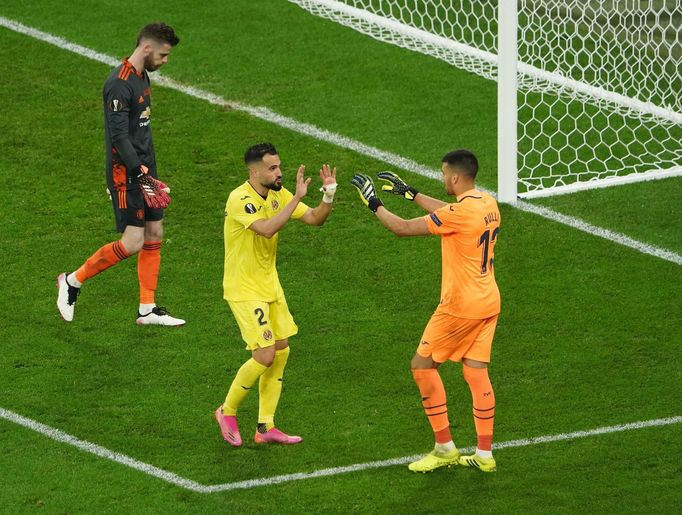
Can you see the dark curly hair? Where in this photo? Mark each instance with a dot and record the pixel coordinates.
(160, 32)
(255, 153)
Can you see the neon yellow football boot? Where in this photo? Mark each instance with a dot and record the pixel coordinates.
(434, 460)
(483, 464)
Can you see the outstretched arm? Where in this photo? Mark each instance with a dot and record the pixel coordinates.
(395, 224)
(319, 214)
(400, 226)
(427, 203)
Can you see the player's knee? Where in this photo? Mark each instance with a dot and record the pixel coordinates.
(266, 361)
(153, 231)
(472, 363)
(132, 245)
(420, 363)
(265, 356)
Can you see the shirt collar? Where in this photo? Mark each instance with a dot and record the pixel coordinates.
(128, 63)
(254, 190)
(469, 193)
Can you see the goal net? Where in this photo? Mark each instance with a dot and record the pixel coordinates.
(599, 86)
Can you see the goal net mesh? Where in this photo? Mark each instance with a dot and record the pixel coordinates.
(599, 82)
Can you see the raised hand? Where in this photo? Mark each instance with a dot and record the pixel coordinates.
(396, 185)
(301, 182)
(366, 190)
(328, 177)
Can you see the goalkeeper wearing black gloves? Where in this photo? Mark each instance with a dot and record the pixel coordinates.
(463, 325)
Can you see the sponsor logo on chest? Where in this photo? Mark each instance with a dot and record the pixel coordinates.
(145, 116)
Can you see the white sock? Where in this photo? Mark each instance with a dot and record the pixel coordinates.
(484, 454)
(145, 309)
(71, 279)
(444, 448)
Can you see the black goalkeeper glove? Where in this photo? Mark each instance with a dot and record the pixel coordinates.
(397, 186)
(366, 190)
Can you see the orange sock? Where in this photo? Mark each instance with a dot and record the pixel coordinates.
(105, 257)
(483, 398)
(433, 399)
(148, 263)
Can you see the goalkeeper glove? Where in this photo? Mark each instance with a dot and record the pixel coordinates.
(397, 186)
(366, 190)
(154, 192)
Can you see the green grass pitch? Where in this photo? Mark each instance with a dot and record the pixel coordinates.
(588, 336)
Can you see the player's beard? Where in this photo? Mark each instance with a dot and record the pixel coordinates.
(274, 186)
(149, 63)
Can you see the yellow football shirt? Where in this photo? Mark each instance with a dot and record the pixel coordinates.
(250, 272)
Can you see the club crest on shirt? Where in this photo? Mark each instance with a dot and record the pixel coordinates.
(275, 205)
(267, 335)
(250, 208)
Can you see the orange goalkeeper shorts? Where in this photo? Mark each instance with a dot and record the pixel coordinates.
(448, 337)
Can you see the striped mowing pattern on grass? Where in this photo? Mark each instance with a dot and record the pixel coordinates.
(266, 114)
(188, 484)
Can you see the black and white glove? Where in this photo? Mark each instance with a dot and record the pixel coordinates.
(366, 190)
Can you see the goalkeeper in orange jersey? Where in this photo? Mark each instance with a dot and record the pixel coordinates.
(137, 196)
(463, 325)
(255, 213)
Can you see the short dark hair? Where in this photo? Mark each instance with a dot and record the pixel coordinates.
(463, 160)
(255, 153)
(160, 32)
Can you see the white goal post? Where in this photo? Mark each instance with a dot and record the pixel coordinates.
(589, 91)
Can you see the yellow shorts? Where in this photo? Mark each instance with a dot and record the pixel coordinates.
(448, 337)
(261, 323)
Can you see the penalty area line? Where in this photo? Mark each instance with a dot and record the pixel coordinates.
(339, 140)
(170, 477)
(102, 452)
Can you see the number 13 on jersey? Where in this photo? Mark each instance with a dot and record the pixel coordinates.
(487, 241)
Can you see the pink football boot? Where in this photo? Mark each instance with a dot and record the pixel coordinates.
(274, 435)
(228, 427)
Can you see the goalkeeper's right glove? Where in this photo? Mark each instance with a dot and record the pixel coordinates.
(154, 192)
(366, 190)
(397, 186)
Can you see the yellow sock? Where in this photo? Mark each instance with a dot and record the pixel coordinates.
(246, 377)
(270, 388)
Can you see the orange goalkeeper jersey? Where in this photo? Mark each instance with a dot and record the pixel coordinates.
(469, 231)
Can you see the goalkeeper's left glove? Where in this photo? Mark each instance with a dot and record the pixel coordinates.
(397, 186)
(366, 190)
(155, 192)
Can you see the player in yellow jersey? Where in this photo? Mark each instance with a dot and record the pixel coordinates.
(255, 213)
(463, 325)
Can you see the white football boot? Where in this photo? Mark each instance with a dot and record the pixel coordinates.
(66, 297)
(159, 316)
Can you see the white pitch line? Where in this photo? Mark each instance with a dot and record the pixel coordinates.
(188, 484)
(607, 234)
(403, 163)
(100, 451)
(407, 459)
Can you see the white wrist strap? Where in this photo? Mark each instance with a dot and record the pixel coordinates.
(328, 193)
